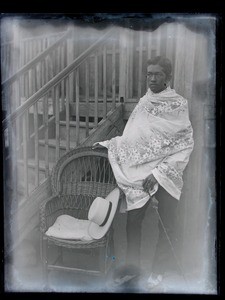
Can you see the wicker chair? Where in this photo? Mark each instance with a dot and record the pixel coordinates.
(77, 179)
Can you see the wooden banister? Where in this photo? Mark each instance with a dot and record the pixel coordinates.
(50, 35)
(31, 63)
(54, 81)
(43, 137)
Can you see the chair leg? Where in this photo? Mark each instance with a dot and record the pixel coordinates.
(106, 255)
(102, 260)
(44, 263)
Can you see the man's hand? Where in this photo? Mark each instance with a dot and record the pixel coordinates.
(149, 183)
(97, 146)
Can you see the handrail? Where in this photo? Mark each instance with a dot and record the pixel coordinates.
(34, 38)
(35, 97)
(35, 60)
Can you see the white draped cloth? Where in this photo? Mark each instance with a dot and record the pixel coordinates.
(158, 140)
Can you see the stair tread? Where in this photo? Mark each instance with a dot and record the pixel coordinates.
(52, 142)
(82, 124)
(32, 163)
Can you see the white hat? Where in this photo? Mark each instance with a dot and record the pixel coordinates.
(101, 214)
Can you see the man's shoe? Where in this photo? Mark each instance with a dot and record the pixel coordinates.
(154, 280)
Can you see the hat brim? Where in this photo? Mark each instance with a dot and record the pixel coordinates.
(96, 231)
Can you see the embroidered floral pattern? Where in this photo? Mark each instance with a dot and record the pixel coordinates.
(133, 194)
(148, 143)
(160, 145)
(148, 104)
(174, 175)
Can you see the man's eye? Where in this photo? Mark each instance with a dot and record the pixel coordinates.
(154, 74)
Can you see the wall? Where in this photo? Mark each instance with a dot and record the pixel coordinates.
(191, 48)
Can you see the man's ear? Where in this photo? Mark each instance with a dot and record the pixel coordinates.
(168, 78)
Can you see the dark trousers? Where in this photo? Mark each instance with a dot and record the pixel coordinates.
(164, 258)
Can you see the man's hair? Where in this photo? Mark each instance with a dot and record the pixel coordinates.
(162, 61)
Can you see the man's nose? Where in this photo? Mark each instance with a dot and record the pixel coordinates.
(153, 77)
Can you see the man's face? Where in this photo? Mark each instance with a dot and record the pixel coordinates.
(156, 78)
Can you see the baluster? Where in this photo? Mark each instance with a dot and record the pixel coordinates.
(25, 152)
(87, 79)
(45, 112)
(67, 114)
(130, 82)
(171, 47)
(22, 75)
(30, 50)
(57, 61)
(18, 136)
(77, 107)
(10, 166)
(26, 83)
(123, 63)
(140, 65)
(63, 81)
(33, 72)
(51, 65)
(29, 75)
(35, 79)
(158, 33)
(149, 50)
(39, 67)
(57, 137)
(96, 90)
(47, 64)
(41, 74)
(114, 75)
(104, 83)
(42, 65)
(70, 58)
(36, 144)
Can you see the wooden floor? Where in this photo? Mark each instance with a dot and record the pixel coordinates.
(26, 275)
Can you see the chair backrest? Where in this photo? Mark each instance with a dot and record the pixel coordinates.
(83, 171)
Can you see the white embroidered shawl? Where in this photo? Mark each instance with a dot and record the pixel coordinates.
(158, 140)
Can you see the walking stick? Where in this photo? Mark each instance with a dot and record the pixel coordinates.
(155, 206)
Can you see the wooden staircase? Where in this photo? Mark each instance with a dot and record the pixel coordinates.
(81, 102)
(84, 132)
(48, 120)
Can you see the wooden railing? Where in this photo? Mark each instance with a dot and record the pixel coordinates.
(38, 120)
(15, 55)
(35, 72)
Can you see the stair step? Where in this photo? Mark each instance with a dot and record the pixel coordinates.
(72, 130)
(31, 173)
(20, 190)
(40, 106)
(81, 124)
(52, 143)
(32, 164)
(52, 149)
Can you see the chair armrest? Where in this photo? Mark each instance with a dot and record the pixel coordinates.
(48, 209)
